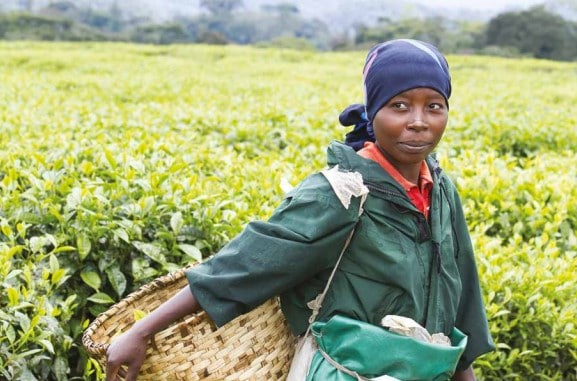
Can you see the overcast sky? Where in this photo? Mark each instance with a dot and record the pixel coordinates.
(480, 4)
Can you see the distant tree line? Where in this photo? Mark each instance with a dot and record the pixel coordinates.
(535, 32)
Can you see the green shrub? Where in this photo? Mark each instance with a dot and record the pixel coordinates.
(31, 27)
(34, 306)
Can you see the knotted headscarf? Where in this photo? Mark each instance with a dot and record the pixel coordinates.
(390, 69)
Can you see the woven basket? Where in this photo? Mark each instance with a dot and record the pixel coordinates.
(254, 346)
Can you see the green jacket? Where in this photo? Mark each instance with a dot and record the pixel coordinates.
(397, 262)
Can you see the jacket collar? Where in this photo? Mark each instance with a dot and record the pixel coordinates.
(347, 159)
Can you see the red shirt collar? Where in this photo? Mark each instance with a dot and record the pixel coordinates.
(418, 193)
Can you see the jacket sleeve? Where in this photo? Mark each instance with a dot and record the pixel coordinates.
(302, 237)
(471, 316)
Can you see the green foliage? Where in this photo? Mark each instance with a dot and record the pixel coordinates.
(34, 344)
(105, 21)
(536, 32)
(280, 25)
(159, 34)
(257, 28)
(31, 27)
(448, 35)
(119, 163)
(431, 30)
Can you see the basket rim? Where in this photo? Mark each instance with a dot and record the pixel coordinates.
(99, 349)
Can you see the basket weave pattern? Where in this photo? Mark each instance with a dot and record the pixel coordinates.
(254, 346)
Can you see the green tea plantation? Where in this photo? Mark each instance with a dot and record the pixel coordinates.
(120, 163)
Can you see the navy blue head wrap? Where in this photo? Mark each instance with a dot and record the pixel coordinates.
(390, 69)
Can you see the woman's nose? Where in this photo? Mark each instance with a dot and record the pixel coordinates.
(417, 121)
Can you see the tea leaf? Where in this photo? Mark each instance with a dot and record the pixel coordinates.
(100, 298)
(191, 250)
(37, 244)
(122, 234)
(59, 277)
(152, 251)
(10, 334)
(13, 296)
(176, 222)
(84, 245)
(6, 230)
(92, 279)
(138, 314)
(48, 345)
(63, 249)
(54, 265)
(117, 279)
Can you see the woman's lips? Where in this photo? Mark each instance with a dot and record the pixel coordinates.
(414, 147)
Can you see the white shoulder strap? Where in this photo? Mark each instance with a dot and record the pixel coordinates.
(345, 185)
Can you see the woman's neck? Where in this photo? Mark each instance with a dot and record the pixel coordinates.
(410, 171)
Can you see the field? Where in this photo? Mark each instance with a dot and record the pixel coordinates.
(119, 163)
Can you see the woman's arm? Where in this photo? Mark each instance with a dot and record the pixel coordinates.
(464, 375)
(130, 348)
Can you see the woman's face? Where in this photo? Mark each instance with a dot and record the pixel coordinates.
(410, 126)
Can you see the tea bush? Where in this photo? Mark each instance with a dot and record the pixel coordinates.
(119, 163)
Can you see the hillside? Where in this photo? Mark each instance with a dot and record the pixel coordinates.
(338, 14)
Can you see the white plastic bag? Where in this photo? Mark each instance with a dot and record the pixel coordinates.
(305, 349)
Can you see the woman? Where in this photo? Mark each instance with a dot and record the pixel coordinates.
(410, 254)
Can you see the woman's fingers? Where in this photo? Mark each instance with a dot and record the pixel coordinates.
(132, 372)
(111, 372)
(122, 373)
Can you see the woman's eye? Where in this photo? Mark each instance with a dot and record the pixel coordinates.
(436, 106)
(399, 105)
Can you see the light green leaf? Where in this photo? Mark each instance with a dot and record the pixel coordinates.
(21, 228)
(110, 158)
(92, 279)
(37, 244)
(122, 234)
(152, 251)
(176, 222)
(56, 213)
(12, 296)
(138, 314)
(63, 248)
(117, 280)
(191, 250)
(138, 165)
(100, 298)
(36, 182)
(54, 265)
(147, 204)
(7, 230)
(12, 274)
(59, 277)
(84, 245)
(11, 334)
(48, 345)
(26, 374)
(61, 368)
(15, 250)
(51, 240)
(28, 353)
(24, 321)
(74, 199)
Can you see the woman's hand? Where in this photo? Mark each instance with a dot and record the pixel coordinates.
(130, 348)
